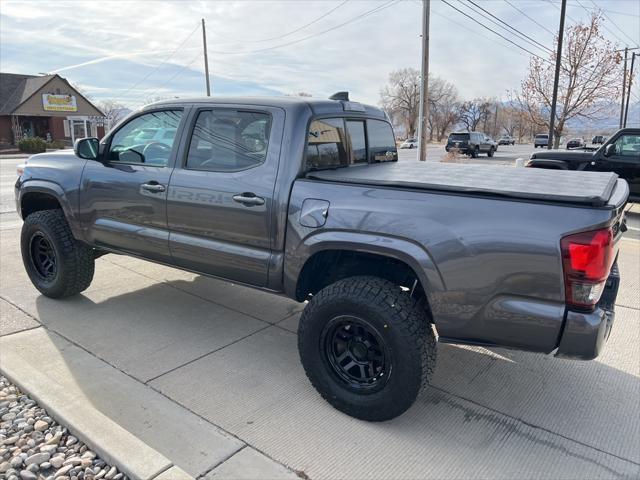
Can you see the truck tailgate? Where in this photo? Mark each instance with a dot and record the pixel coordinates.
(585, 188)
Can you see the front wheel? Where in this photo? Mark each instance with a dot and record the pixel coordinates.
(57, 264)
(367, 347)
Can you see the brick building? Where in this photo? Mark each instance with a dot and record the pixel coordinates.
(45, 106)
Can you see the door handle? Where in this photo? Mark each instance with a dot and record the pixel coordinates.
(153, 186)
(248, 199)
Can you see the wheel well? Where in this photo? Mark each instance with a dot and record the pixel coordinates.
(37, 201)
(329, 266)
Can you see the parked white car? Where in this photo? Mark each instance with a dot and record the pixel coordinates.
(409, 143)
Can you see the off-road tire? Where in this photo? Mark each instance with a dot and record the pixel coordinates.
(74, 261)
(404, 326)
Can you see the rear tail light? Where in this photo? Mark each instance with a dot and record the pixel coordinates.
(587, 258)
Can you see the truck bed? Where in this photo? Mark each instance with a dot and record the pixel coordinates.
(582, 188)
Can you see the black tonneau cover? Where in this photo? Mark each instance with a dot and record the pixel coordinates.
(567, 186)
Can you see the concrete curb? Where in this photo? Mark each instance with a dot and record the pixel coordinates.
(109, 440)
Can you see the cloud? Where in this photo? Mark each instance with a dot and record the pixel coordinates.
(125, 48)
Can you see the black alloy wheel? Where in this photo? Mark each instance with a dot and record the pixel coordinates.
(43, 256)
(356, 353)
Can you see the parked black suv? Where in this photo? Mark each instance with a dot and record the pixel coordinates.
(471, 143)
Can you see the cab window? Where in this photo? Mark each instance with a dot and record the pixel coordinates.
(147, 139)
(227, 140)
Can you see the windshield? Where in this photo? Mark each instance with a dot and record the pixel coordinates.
(147, 133)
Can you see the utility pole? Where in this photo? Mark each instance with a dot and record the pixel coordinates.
(624, 85)
(626, 108)
(206, 59)
(424, 84)
(557, 75)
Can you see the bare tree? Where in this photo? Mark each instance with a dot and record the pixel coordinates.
(472, 113)
(300, 94)
(113, 111)
(401, 97)
(515, 122)
(443, 107)
(590, 72)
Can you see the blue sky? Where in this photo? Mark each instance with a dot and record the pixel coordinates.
(136, 51)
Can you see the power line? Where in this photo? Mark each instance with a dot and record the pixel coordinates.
(557, 7)
(530, 18)
(293, 42)
(523, 35)
(603, 25)
(497, 33)
(292, 31)
(479, 33)
(613, 23)
(160, 64)
(175, 75)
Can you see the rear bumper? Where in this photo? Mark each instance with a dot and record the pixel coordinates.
(585, 334)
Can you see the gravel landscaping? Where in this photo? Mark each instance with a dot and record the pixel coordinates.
(34, 447)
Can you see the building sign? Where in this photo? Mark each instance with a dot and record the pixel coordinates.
(59, 103)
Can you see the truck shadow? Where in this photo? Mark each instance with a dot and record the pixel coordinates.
(479, 399)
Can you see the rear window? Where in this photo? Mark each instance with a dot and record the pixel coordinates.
(382, 143)
(459, 137)
(327, 146)
(336, 142)
(355, 129)
(543, 137)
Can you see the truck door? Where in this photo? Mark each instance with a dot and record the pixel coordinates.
(221, 195)
(624, 160)
(123, 196)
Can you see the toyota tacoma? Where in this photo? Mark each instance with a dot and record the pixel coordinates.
(306, 198)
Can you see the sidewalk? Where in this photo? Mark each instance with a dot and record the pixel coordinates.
(207, 374)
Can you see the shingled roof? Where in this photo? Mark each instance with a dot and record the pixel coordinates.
(16, 88)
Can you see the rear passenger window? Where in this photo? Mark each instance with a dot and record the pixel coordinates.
(326, 145)
(355, 129)
(382, 143)
(228, 140)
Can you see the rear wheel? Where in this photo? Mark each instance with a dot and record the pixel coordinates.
(367, 347)
(57, 264)
(475, 152)
(491, 152)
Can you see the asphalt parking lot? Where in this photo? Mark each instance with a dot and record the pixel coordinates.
(505, 155)
(176, 357)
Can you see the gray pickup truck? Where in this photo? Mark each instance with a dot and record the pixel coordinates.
(306, 198)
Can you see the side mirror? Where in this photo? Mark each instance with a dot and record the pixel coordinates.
(87, 148)
(610, 150)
